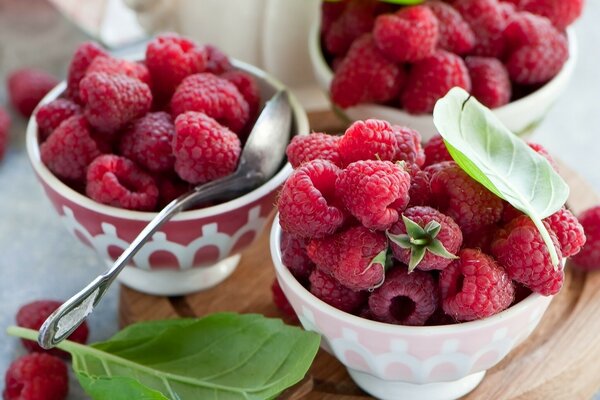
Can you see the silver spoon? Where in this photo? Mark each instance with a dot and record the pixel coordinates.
(260, 159)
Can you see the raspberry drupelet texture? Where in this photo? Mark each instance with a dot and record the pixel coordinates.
(36, 376)
(119, 182)
(50, 116)
(83, 57)
(375, 192)
(409, 35)
(408, 146)
(560, 12)
(281, 301)
(4, 131)
(419, 193)
(490, 83)
(111, 65)
(305, 148)
(328, 289)
(356, 19)
(431, 78)
(204, 149)
(520, 249)
(365, 75)
(324, 252)
(455, 35)
(70, 149)
(589, 257)
(372, 139)
(436, 151)
(307, 204)
(148, 142)
(33, 315)
(216, 97)
(217, 62)
(488, 20)
(295, 257)
(568, 230)
(26, 87)
(111, 101)
(248, 88)
(405, 298)
(475, 287)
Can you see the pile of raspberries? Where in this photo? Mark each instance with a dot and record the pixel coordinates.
(135, 135)
(409, 57)
(377, 226)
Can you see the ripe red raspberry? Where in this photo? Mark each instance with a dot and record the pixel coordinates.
(431, 78)
(213, 96)
(465, 200)
(324, 252)
(588, 258)
(519, 248)
(111, 101)
(368, 140)
(509, 213)
(217, 62)
(365, 76)
(119, 182)
(111, 65)
(508, 9)
(560, 12)
(488, 20)
(332, 292)
(408, 146)
(419, 193)
(330, 12)
(490, 83)
(247, 87)
(281, 301)
(27, 86)
(294, 256)
(541, 150)
(436, 151)
(33, 315)
(170, 187)
(307, 203)
(315, 146)
(568, 230)
(409, 35)
(70, 149)
(148, 142)
(356, 19)
(455, 35)
(204, 149)
(83, 57)
(4, 131)
(170, 58)
(526, 29)
(475, 287)
(36, 376)
(405, 298)
(50, 116)
(375, 192)
(425, 249)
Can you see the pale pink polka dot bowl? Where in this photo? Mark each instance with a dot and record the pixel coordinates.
(197, 249)
(405, 362)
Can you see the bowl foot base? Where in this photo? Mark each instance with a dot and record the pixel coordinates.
(178, 282)
(393, 390)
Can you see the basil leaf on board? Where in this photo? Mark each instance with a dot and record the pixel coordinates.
(492, 155)
(224, 356)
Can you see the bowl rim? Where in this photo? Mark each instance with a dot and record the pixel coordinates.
(45, 175)
(283, 272)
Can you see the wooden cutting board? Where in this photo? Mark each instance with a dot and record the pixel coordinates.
(560, 360)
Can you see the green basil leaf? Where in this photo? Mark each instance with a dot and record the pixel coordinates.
(486, 150)
(117, 388)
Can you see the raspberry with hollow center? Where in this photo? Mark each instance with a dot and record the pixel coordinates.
(305, 148)
(490, 83)
(332, 292)
(408, 146)
(83, 57)
(373, 139)
(294, 256)
(568, 230)
(405, 298)
(475, 287)
(27, 86)
(4, 131)
(589, 257)
(50, 116)
(111, 65)
(455, 35)
(35, 377)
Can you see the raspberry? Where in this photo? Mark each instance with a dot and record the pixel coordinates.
(509, 213)
(356, 19)
(324, 252)
(204, 150)
(507, 9)
(431, 78)
(281, 301)
(568, 230)
(375, 192)
(430, 248)
(560, 12)
(315, 146)
(148, 142)
(455, 35)
(70, 149)
(36, 376)
(33, 315)
(330, 12)
(111, 101)
(27, 86)
(170, 58)
(419, 193)
(526, 29)
(519, 248)
(213, 96)
(329, 290)
(119, 182)
(83, 57)
(405, 298)
(4, 131)
(247, 87)
(217, 62)
(465, 200)
(368, 140)
(409, 35)
(475, 287)
(436, 151)
(490, 83)
(365, 75)
(307, 204)
(111, 65)
(541, 150)
(408, 146)
(170, 187)
(488, 20)
(588, 258)
(50, 116)
(294, 256)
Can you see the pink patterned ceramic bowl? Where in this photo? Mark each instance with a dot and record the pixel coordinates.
(406, 362)
(194, 251)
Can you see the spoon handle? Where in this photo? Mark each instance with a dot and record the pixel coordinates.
(62, 322)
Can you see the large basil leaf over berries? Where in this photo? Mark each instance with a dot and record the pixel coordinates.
(485, 149)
